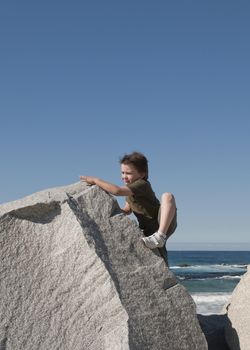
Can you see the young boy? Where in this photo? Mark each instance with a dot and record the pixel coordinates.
(157, 220)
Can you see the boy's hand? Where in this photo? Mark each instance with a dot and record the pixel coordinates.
(89, 179)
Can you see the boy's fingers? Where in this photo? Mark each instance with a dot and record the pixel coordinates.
(85, 179)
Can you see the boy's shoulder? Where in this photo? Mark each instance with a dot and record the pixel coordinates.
(141, 182)
(140, 185)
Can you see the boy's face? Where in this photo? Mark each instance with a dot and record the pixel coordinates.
(130, 174)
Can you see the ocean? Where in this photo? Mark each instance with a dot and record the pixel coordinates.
(209, 276)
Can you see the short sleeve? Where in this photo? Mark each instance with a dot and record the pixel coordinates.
(138, 187)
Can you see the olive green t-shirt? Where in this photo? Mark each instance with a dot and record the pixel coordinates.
(144, 205)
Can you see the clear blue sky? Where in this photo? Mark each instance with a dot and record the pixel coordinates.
(83, 82)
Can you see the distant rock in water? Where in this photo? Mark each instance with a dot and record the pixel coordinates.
(75, 275)
(237, 330)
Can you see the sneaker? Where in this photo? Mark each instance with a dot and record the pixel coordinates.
(156, 240)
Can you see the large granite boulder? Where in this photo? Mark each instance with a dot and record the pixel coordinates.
(75, 276)
(237, 330)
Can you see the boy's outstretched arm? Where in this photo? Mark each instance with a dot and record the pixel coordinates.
(106, 186)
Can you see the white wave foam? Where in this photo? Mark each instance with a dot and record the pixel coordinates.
(211, 268)
(228, 278)
(210, 303)
(209, 278)
(240, 266)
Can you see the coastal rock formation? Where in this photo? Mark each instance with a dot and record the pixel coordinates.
(76, 276)
(237, 331)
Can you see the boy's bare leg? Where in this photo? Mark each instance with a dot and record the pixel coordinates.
(168, 209)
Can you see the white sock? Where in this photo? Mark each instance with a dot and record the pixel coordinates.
(161, 233)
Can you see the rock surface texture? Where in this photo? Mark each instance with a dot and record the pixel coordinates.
(237, 330)
(76, 276)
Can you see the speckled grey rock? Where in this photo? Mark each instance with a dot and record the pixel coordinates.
(75, 276)
(237, 331)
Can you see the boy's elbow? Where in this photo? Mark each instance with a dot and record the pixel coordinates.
(119, 191)
(116, 191)
(122, 191)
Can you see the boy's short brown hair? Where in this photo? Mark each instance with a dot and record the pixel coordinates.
(138, 160)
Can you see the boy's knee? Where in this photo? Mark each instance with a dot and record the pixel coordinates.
(167, 197)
